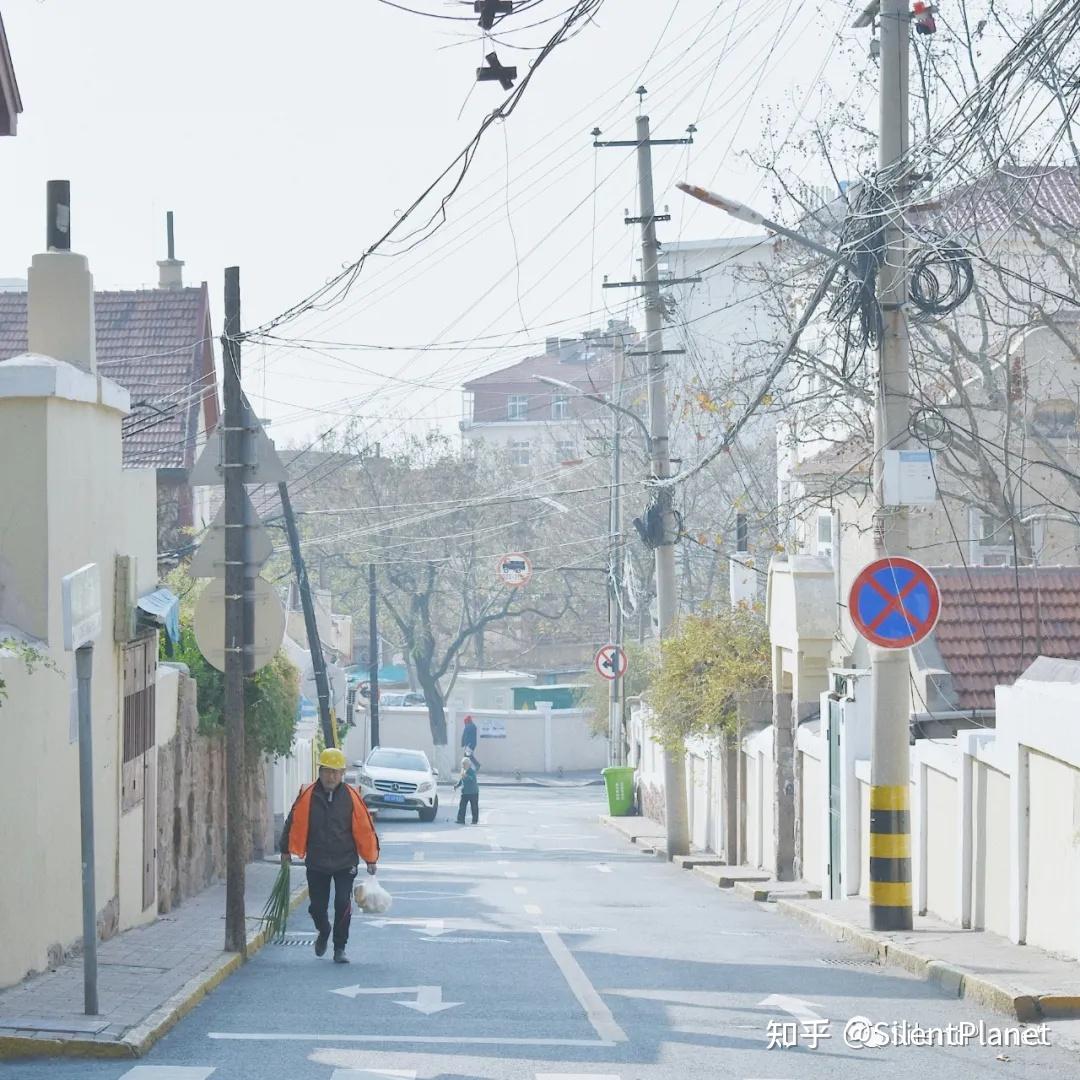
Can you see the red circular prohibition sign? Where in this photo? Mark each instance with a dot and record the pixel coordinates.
(894, 602)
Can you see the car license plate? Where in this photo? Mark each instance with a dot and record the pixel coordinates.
(393, 798)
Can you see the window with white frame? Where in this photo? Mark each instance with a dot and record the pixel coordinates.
(560, 407)
(519, 453)
(565, 451)
(825, 527)
(517, 407)
(1004, 543)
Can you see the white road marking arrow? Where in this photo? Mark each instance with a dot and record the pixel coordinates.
(603, 868)
(805, 1011)
(429, 999)
(427, 927)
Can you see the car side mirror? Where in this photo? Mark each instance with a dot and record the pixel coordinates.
(434, 772)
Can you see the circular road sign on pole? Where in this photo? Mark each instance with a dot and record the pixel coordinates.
(268, 632)
(894, 602)
(515, 570)
(610, 662)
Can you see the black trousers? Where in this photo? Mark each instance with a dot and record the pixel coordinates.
(472, 801)
(319, 895)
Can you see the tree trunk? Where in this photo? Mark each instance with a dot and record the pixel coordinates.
(436, 707)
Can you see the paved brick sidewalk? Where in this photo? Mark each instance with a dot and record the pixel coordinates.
(147, 979)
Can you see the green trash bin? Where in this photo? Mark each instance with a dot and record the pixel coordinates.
(619, 781)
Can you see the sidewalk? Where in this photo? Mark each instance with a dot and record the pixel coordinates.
(148, 978)
(549, 780)
(1020, 981)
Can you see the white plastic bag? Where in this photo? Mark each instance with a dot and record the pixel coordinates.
(372, 897)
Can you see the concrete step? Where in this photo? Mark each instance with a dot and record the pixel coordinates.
(691, 862)
(727, 876)
(768, 891)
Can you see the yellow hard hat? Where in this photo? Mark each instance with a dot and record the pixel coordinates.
(331, 758)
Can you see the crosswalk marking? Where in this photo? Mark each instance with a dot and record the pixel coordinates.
(169, 1072)
(532, 909)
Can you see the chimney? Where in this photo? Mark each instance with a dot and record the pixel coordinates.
(170, 270)
(60, 305)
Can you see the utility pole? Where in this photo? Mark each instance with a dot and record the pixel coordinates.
(890, 817)
(303, 583)
(666, 535)
(616, 746)
(238, 626)
(373, 657)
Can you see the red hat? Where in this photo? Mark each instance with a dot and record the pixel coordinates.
(468, 719)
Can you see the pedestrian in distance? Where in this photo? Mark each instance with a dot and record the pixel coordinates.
(470, 792)
(330, 828)
(468, 740)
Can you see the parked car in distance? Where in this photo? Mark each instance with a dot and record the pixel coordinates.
(401, 697)
(398, 779)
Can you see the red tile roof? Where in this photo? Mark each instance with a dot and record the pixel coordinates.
(594, 374)
(157, 344)
(1046, 193)
(995, 621)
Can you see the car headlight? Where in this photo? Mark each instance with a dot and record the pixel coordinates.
(427, 785)
(364, 779)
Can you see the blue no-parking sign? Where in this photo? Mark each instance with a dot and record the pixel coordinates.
(894, 602)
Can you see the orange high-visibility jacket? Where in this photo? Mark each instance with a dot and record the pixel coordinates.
(363, 829)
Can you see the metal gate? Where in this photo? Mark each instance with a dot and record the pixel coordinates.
(835, 822)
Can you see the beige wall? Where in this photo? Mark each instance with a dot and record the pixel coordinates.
(942, 856)
(1053, 855)
(990, 849)
(812, 794)
(67, 504)
(864, 838)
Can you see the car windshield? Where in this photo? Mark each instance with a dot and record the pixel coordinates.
(398, 759)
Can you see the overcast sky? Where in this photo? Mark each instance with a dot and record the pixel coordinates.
(285, 137)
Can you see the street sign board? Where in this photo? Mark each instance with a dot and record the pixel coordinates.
(515, 570)
(336, 680)
(209, 560)
(266, 466)
(81, 600)
(894, 602)
(611, 662)
(268, 631)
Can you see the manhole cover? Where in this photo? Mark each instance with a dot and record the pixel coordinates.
(845, 962)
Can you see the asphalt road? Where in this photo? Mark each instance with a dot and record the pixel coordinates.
(540, 946)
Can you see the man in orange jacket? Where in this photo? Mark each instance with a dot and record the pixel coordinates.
(330, 828)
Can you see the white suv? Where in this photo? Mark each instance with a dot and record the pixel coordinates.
(394, 779)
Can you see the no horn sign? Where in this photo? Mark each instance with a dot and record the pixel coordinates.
(894, 602)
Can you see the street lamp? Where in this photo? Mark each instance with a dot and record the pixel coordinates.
(600, 399)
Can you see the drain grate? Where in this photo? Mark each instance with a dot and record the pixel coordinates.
(833, 961)
(298, 939)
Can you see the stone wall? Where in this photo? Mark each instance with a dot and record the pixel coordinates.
(191, 807)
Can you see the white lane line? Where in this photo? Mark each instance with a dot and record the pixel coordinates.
(168, 1072)
(373, 1074)
(418, 856)
(598, 1013)
(435, 1040)
(603, 868)
(532, 909)
(520, 890)
(578, 1076)
(510, 873)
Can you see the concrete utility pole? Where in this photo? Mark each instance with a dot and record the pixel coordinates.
(303, 583)
(667, 598)
(890, 817)
(616, 746)
(238, 626)
(373, 658)
(666, 535)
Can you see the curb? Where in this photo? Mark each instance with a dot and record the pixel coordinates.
(966, 984)
(139, 1039)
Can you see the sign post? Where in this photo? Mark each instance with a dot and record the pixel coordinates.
(894, 603)
(81, 596)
